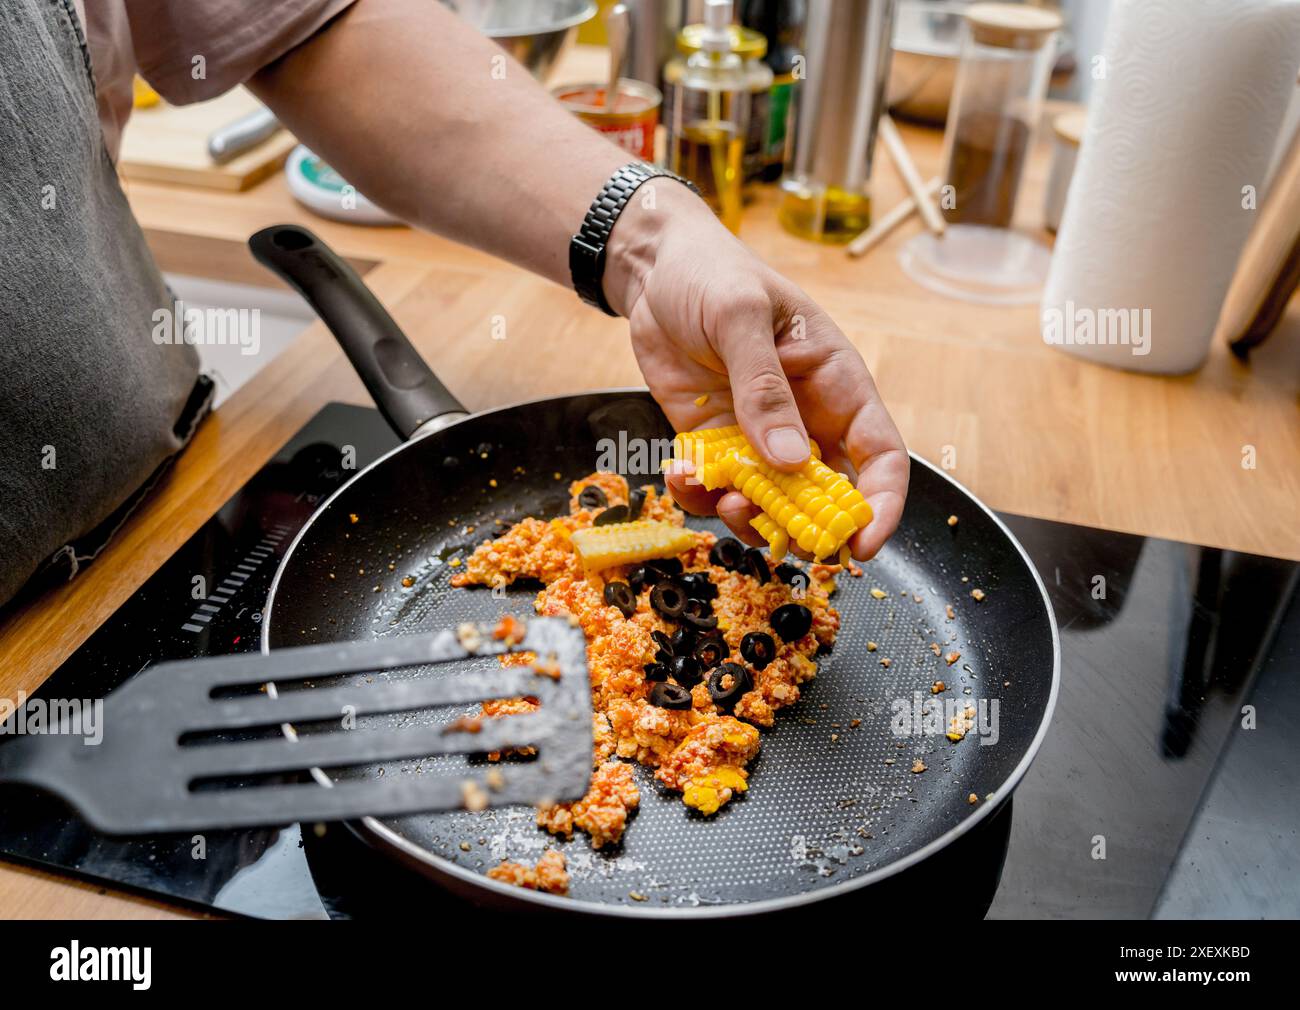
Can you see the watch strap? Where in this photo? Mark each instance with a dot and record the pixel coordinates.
(588, 247)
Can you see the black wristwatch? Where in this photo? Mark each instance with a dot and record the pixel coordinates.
(587, 248)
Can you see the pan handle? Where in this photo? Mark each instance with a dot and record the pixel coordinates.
(411, 398)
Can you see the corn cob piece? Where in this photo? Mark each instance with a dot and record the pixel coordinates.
(602, 547)
(817, 508)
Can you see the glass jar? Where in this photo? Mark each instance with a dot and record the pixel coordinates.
(1006, 62)
(708, 118)
(826, 189)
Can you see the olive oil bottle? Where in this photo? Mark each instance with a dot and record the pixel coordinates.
(709, 117)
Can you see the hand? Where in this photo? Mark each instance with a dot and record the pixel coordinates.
(708, 317)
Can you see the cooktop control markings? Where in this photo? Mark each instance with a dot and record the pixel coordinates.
(246, 566)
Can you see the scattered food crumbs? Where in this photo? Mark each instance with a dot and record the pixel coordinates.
(977, 595)
(872, 647)
(934, 647)
(407, 581)
(952, 520)
(952, 657)
(878, 593)
(938, 687)
(495, 780)
(918, 766)
(549, 875)
(557, 475)
(889, 761)
(464, 846)
(469, 636)
(353, 517)
(949, 611)
(454, 562)
(472, 796)
(331, 575)
(885, 661)
(834, 737)
(964, 579)
(972, 799)
(377, 586)
(855, 570)
(854, 723)
(492, 482)
(510, 630)
(916, 598)
(637, 896)
(702, 399)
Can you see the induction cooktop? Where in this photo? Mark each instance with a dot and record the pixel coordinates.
(1165, 787)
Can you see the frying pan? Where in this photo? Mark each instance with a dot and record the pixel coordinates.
(838, 799)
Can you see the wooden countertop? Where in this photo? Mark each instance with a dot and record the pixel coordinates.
(1032, 430)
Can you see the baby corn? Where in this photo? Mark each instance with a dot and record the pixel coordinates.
(816, 508)
(602, 547)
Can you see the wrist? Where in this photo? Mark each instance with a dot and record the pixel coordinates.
(634, 243)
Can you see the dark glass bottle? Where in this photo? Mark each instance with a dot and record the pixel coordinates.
(781, 22)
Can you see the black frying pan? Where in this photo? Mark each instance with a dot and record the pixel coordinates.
(834, 804)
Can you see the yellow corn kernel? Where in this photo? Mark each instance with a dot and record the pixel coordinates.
(601, 547)
(816, 508)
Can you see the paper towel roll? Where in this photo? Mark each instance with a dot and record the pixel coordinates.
(1183, 121)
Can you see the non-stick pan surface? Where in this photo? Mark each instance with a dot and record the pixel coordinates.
(848, 788)
(833, 800)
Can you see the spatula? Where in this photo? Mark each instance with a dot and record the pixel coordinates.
(160, 767)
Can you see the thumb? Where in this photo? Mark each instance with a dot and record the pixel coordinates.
(764, 404)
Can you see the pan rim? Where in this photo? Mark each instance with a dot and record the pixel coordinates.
(381, 836)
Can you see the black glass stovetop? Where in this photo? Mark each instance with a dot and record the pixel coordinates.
(1166, 785)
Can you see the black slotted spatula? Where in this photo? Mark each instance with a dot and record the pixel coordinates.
(171, 757)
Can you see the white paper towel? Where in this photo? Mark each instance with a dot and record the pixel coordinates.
(1186, 116)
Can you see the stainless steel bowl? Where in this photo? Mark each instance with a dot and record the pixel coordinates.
(927, 48)
(535, 32)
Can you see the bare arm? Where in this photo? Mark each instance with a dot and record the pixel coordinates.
(411, 106)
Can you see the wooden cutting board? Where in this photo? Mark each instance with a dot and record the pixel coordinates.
(169, 143)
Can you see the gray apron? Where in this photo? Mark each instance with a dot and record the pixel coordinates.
(92, 409)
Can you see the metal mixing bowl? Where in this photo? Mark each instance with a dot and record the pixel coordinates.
(535, 32)
(927, 48)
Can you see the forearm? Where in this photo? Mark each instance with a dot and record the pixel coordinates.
(410, 105)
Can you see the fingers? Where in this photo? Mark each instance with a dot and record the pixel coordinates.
(877, 451)
(736, 511)
(764, 403)
(689, 493)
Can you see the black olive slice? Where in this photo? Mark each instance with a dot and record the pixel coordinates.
(635, 501)
(686, 671)
(670, 696)
(755, 564)
(655, 671)
(638, 577)
(662, 640)
(611, 515)
(791, 575)
(791, 621)
(592, 497)
(669, 567)
(663, 656)
(699, 614)
(619, 594)
(757, 649)
(698, 586)
(683, 641)
(709, 652)
(668, 600)
(727, 553)
(727, 683)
